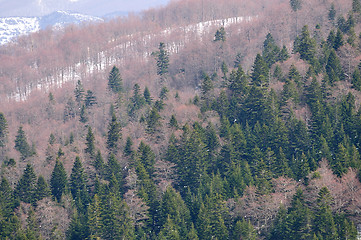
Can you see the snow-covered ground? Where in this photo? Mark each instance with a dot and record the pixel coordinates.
(11, 27)
(130, 46)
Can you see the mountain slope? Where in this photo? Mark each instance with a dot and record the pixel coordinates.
(11, 27)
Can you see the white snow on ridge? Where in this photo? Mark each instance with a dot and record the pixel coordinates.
(11, 27)
(16, 26)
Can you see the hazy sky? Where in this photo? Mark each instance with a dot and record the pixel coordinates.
(92, 7)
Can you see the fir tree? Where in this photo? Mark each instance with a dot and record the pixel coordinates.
(162, 57)
(3, 130)
(220, 35)
(153, 121)
(114, 134)
(128, 151)
(83, 114)
(21, 144)
(90, 99)
(25, 189)
(333, 68)
(147, 96)
(115, 80)
(90, 142)
(270, 50)
(42, 189)
(58, 181)
(77, 184)
(356, 79)
(79, 92)
(332, 13)
(163, 95)
(173, 122)
(260, 72)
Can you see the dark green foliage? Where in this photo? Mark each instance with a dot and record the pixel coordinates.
(271, 51)
(69, 110)
(338, 41)
(356, 6)
(137, 101)
(153, 121)
(147, 97)
(295, 5)
(163, 95)
(83, 114)
(8, 201)
(306, 46)
(333, 68)
(173, 122)
(79, 92)
(260, 72)
(25, 189)
(244, 230)
(58, 181)
(3, 130)
(128, 148)
(162, 57)
(332, 13)
(114, 134)
(220, 35)
(115, 82)
(146, 157)
(90, 143)
(78, 187)
(42, 189)
(283, 55)
(356, 79)
(90, 99)
(22, 145)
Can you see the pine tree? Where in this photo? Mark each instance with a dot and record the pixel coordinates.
(333, 68)
(260, 72)
(90, 143)
(220, 35)
(356, 6)
(3, 130)
(162, 57)
(95, 219)
(115, 80)
(69, 110)
(306, 46)
(114, 134)
(137, 101)
(332, 13)
(147, 97)
(42, 189)
(99, 163)
(173, 122)
(163, 95)
(271, 51)
(83, 117)
(21, 144)
(25, 189)
(58, 181)
(79, 92)
(356, 79)
(338, 40)
(8, 201)
(77, 184)
(90, 99)
(128, 151)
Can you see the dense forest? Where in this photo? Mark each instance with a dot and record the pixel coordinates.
(248, 131)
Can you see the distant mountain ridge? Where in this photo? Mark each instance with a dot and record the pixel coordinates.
(11, 27)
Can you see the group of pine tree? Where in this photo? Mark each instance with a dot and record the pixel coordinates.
(259, 138)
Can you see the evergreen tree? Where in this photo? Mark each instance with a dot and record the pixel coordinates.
(137, 101)
(244, 230)
(153, 121)
(58, 181)
(114, 134)
(356, 6)
(115, 80)
(163, 95)
(356, 79)
(338, 40)
(77, 184)
(8, 201)
(147, 96)
(332, 13)
(83, 114)
(90, 99)
(306, 46)
(283, 55)
(270, 50)
(90, 143)
(99, 163)
(25, 189)
(260, 72)
(3, 130)
(69, 110)
(173, 122)
(95, 218)
(79, 92)
(42, 188)
(21, 144)
(220, 35)
(162, 57)
(128, 151)
(333, 68)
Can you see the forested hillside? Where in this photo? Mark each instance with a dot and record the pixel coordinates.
(204, 119)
